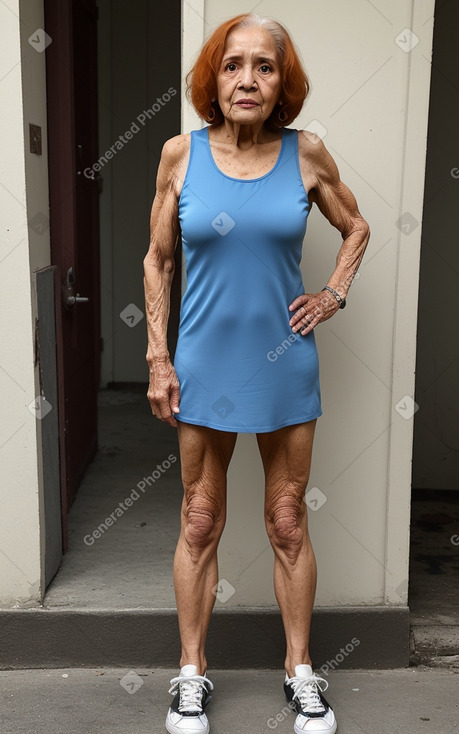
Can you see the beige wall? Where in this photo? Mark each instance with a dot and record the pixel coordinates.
(371, 95)
(25, 249)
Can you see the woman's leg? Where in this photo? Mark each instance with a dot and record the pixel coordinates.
(286, 456)
(205, 455)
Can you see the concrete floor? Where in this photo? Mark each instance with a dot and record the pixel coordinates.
(115, 572)
(415, 701)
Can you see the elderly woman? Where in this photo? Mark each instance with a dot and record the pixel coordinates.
(239, 192)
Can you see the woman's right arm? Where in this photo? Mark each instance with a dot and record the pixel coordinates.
(163, 391)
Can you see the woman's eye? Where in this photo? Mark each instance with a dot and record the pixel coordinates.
(230, 67)
(265, 68)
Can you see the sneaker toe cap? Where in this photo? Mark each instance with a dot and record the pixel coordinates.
(186, 724)
(325, 725)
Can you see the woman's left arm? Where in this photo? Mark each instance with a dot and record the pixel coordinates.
(337, 203)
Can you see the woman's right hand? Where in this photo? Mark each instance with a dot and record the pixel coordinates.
(163, 391)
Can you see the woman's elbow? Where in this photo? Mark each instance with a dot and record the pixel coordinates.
(361, 228)
(158, 261)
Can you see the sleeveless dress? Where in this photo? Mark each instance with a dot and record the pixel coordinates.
(239, 365)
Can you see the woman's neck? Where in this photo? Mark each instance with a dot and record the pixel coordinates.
(245, 136)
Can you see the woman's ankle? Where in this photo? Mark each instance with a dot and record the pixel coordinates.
(200, 663)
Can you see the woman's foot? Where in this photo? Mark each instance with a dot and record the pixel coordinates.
(304, 694)
(186, 713)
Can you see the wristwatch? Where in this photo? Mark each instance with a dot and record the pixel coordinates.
(341, 301)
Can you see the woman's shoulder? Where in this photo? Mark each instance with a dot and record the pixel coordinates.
(313, 152)
(175, 148)
(175, 155)
(310, 143)
(314, 157)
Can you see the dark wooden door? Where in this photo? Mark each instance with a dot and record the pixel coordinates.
(71, 76)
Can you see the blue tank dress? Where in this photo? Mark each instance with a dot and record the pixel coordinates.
(239, 365)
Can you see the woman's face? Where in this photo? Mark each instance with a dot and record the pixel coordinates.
(249, 79)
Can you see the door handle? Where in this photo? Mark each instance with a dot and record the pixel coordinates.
(71, 299)
(68, 291)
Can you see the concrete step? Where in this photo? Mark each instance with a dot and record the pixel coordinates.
(349, 637)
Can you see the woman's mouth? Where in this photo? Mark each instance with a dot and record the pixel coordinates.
(247, 104)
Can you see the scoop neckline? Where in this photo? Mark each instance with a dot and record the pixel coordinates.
(246, 180)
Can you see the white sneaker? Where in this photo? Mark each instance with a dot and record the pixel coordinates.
(304, 695)
(186, 713)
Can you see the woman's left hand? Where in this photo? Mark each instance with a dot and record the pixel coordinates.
(311, 309)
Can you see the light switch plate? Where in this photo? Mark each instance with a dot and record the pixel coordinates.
(35, 138)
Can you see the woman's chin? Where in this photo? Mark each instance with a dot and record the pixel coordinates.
(246, 116)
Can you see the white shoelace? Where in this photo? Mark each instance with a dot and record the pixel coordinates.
(306, 692)
(190, 687)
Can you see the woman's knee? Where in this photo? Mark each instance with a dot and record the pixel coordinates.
(205, 455)
(285, 523)
(203, 515)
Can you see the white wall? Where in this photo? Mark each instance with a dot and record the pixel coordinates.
(371, 95)
(24, 249)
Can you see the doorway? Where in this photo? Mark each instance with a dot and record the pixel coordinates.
(71, 82)
(114, 89)
(139, 109)
(434, 561)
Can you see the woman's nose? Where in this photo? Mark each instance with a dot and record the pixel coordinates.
(247, 80)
